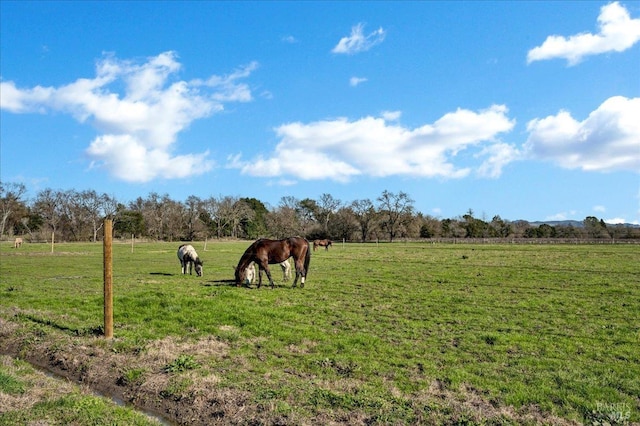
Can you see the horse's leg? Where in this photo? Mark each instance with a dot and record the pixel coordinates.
(296, 265)
(265, 265)
(286, 270)
(300, 271)
(269, 276)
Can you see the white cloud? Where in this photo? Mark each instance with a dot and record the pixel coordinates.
(340, 149)
(563, 215)
(617, 32)
(130, 159)
(391, 115)
(140, 126)
(599, 209)
(499, 155)
(358, 41)
(615, 220)
(354, 81)
(607, 140)
(15, 100)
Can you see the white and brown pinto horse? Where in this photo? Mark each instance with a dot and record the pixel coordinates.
(264, 252)
(189, 258)
(250, 276)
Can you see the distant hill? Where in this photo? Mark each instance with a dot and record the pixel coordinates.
(576, 223)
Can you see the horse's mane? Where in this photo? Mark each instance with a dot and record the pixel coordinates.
(247, 257)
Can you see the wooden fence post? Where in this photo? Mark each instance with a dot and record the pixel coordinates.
(108, 279)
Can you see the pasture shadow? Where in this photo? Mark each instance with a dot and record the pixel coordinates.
(220, 283)
(164, 274)
(73, 331)
(232, 283)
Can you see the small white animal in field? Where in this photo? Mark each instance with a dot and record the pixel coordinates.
(250, 275)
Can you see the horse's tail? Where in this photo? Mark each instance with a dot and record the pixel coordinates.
(307, 259)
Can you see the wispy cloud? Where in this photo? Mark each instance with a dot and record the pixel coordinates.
(617, 32)
(563, 215)
(355, 81)
(498, 155)
(340, 149)
(607, 140)
(391, 115)
(139, 126)
(358, 41)
(289, 39)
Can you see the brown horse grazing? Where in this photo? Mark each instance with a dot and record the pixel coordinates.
(264, 251)
(322, 243)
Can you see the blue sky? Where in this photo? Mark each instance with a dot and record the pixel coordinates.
(527, 110)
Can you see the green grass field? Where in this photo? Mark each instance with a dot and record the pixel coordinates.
(400, 333)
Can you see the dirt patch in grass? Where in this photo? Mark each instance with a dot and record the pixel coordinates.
(137, 376)
(41, 388)
(170, 378)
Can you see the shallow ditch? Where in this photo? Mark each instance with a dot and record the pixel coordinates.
(155, 416)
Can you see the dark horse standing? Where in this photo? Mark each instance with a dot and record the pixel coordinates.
(322, 243)
(264, 251)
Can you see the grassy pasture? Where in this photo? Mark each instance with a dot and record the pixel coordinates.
(382, 333)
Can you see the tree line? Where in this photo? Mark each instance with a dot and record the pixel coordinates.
(73, 215)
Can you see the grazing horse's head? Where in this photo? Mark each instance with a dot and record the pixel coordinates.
(241, 275)
(198, 265)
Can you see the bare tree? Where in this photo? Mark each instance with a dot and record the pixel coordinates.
(365, 214)
(73, 215)
(155, 212)
(303, 218)
(290, 202)
(211, 207)
(228, 214)
(174, 219)
(193, 223)
(283, 222)
(344, 224)
(395, 209)
(49, 205)
(224, 217)
(239, 212)
(10, 202)
(327, 208)
(85, 212)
